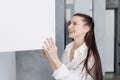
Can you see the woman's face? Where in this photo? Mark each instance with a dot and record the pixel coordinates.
(77, 28)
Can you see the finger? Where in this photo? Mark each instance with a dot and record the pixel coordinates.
(50, 42)
(45, 50)
(42, 52)
(46, 45)
(53, 43)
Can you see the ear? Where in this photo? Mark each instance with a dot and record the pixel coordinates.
(87, 29)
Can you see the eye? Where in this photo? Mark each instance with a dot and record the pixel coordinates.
(74, 23)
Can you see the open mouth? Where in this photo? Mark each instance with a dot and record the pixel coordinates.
(71, 32)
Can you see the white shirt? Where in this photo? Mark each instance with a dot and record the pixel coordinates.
(72, 70)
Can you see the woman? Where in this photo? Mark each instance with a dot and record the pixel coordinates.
(80, 60)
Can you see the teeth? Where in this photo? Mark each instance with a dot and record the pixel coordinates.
(71, 32)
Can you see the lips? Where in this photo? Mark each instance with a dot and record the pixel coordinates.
(71, 32)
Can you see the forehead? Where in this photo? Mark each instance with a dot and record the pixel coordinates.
(77, 19)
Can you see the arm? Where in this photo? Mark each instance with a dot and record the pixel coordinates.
(50, 62)
(61, 72)
(64, 73)
(50, 52)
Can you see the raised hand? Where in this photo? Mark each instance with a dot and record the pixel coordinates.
(50, 51)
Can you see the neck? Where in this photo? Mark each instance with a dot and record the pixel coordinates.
(78, 42)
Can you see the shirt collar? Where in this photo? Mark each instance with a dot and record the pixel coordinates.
(81, 49)
(70, 45)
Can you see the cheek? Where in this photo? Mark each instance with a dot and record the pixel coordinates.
(79, 32)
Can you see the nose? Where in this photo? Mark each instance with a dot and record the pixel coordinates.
(70, 26)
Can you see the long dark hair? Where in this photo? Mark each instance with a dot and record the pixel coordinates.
(96, 70)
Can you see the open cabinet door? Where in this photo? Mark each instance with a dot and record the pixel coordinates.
(25, 24)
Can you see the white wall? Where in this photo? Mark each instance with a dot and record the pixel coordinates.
(7, 66)
(78, 6)
(109, 41)
(83, 6)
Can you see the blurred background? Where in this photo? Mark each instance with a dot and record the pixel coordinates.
(112, 40)
(29, 65)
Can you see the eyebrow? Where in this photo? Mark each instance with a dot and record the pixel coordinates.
(74, 21)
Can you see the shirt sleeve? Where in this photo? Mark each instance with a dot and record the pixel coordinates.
(64, 58)
(63, 73)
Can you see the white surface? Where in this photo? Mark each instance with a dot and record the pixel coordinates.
(68, 16)
(7, 66)
(79, 6)
(109, 41)
(69, 1)
(83, 6)
(25, 24)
